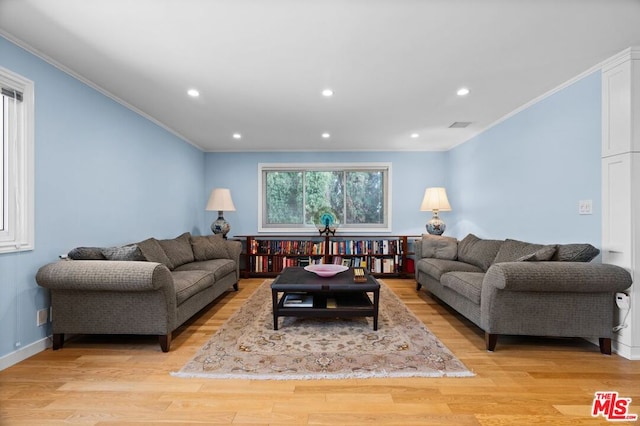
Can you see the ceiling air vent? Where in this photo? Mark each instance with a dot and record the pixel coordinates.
(459, 124)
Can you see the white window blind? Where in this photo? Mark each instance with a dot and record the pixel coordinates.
(16, 163)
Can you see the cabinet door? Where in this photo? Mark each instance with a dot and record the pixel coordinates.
(616, 210)
(616, 110)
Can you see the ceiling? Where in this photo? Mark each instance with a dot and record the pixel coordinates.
(260, 65)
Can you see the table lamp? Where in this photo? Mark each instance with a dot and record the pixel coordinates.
(435, 200)
(220, 200)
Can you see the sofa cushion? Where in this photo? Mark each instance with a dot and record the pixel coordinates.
(130, 252)
(188, 283)
(86, 253)
(478, 252)
(439, 247)
(575, 253)
(543, 254)
(436, 267)
(209, 247)
(178, 250)
(467, 284)
(219, 267)
(516, 251)
(153, 252)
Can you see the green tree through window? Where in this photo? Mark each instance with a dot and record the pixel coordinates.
(295, 196)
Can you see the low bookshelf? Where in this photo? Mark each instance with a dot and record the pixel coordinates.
(267, 255)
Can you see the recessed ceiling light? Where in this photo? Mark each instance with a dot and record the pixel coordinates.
(193, 93)
(326, 135)
(237, 136)
(327, 93)
(463, 91)
(414, 135)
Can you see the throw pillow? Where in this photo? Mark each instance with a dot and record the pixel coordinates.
(130, 252)
(515, 251)
(540, 255)
(209, 247)
(439, 247)
(576, 253)
(152, 252)
(178, 250)
(86, 253)
(478, 252)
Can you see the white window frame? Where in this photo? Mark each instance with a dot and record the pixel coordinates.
(328, 167)
(18, 170)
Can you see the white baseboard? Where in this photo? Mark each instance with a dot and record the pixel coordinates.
(23, 353)
(626, 351)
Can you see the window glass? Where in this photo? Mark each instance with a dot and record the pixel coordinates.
(298, 197)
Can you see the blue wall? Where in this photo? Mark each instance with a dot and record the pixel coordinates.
(412, 172)
(523, 178)
(104, 176)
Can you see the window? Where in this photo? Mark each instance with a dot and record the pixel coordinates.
(16, 163)
(298, 197)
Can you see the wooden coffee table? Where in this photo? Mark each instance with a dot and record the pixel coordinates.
(334, 297)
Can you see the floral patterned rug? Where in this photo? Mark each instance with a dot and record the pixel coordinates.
(246, 346)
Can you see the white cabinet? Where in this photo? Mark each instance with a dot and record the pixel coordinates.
(621, 104)
(616, 211)
(621, 184)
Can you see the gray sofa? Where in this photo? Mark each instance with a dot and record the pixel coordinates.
(150, 287)
(513, 287)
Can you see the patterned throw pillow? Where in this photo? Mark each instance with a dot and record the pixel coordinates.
(86, 253)
(576, 253)
(517, 251)
(209, 247)
(543, 254)
(130, 253)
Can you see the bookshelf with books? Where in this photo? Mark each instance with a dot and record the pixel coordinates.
(267, 255)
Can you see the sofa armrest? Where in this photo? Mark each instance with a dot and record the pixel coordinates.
(105, 275)
(577, 277)
(234, 248)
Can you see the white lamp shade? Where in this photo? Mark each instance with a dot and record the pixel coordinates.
(435, 199)
(220, 200)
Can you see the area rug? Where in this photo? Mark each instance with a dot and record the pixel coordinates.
(246, 346)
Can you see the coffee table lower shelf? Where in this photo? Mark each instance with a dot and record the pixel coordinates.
(347, 305)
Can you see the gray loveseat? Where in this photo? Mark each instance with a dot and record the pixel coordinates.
(150, 287)
(517, 288)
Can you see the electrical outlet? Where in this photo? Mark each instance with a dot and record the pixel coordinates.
(622, 300)
(585, 207)
(42, 316)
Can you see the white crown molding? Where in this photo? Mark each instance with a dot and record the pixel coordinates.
(629, 53)
(91, 84)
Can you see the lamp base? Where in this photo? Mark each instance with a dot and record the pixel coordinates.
(436, 226)
(221, 226)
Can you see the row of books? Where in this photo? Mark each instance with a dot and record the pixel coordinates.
(278, 263)
(377, 265)
(287, 247)
(305, 247)
(354, 247)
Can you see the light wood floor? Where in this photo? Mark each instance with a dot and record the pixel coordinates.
(125, 380)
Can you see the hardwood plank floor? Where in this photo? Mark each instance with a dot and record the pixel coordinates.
(99, 380)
